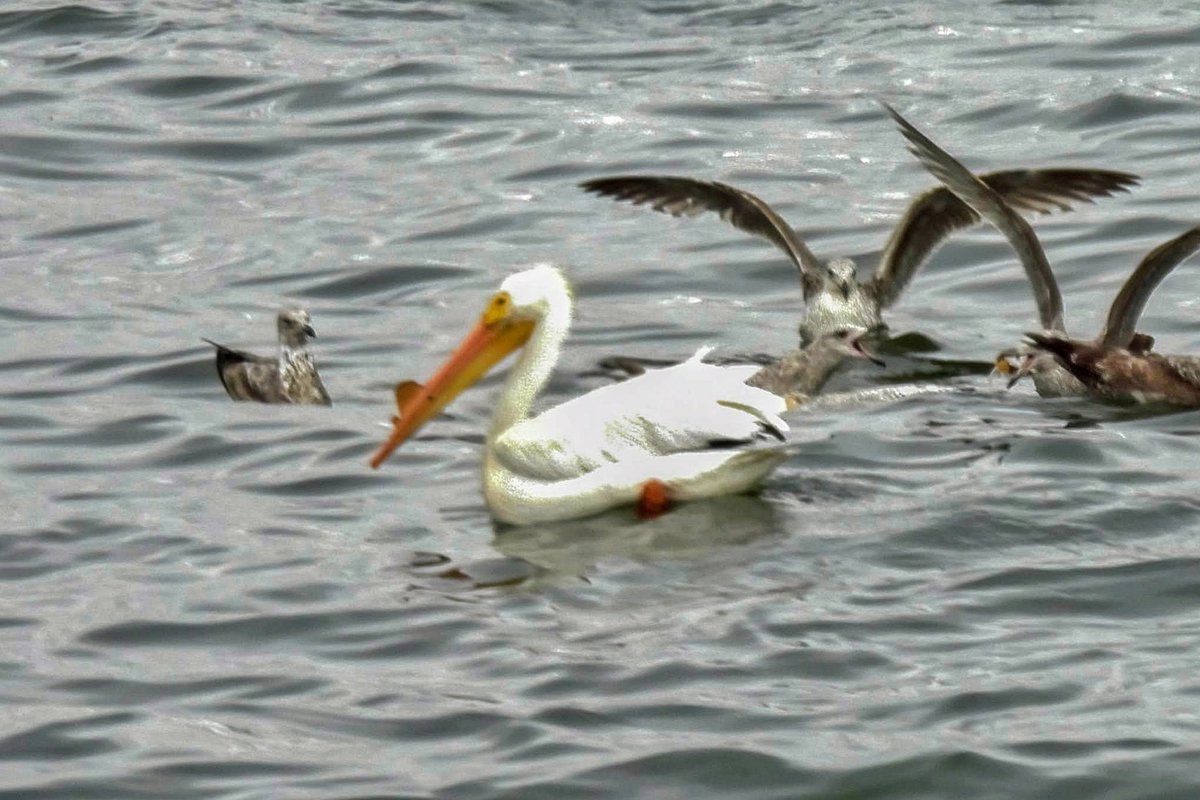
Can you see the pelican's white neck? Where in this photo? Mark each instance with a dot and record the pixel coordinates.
(532, 369)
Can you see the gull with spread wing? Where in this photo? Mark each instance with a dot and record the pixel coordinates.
(833, 295)
(1119, 363)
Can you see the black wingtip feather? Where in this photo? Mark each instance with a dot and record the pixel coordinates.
(1054, 345)
(227, 355)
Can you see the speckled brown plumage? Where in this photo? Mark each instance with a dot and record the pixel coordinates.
(290, 378)
(1118, 375)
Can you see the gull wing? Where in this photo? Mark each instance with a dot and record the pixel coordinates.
(1131, 300)
(246, 376)
(689, 197)
(992, 207)
(934, 215)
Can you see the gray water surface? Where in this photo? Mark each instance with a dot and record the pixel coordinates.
(965, 594)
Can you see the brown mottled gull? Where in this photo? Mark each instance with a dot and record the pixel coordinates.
(290, 378)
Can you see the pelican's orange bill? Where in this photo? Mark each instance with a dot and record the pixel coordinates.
(493, 338)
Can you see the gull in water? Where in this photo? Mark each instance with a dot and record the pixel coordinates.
(799, 375)
(1047, 357)
(1049, 377)
(680, 433)
(796, 376)
(833, 295)
(290, 378)
(1118, 375)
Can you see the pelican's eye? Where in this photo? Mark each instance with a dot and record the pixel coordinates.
(498, 308)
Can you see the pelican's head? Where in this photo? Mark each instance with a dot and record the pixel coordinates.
(506, 323)
(295, 327)
(535, 292)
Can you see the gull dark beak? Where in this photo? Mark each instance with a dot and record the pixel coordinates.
(845, 287)
(867, 354)
(309, 331)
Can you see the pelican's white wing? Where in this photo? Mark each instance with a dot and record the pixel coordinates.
(688, 408)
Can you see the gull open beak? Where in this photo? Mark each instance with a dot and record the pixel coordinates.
(494, 337)
(861, 351)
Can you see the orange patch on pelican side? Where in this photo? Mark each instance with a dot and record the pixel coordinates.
(653, 501)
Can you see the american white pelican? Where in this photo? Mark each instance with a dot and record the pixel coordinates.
(290, 378)
(833, 295)
(1118, 364)
(677, 433)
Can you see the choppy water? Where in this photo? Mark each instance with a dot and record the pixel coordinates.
(974, 594)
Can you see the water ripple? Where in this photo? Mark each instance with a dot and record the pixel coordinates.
(967, 592)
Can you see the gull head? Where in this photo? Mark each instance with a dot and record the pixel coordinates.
(850, 341)
(295, 327)
(842, 277)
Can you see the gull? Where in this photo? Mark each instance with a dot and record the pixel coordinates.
(796, 376)
(289, 378)
(1118, 375)
(799, 375)
(833, 295)
(1061, 366)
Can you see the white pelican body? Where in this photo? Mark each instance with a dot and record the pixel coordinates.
(688, 428)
